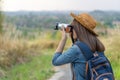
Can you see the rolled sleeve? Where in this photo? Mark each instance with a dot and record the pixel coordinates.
(67, 57)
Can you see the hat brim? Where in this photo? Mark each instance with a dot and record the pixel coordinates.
(76, 18)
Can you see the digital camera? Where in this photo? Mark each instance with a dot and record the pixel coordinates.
(67, 27)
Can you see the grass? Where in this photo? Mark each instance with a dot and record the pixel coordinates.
(39, 68)
(112, 45)
(23, 58)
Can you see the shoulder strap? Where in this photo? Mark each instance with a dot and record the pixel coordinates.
(88, 54)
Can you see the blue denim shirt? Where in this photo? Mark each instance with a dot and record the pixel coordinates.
(72, 55)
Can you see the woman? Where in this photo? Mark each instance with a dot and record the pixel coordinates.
(82, 31)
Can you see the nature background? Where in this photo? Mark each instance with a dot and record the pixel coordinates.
(28, 39)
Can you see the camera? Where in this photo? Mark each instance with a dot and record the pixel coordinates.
(67, 27)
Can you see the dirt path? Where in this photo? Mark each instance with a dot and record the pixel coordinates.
(62, 73)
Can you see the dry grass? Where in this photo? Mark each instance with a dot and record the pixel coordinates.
(43, 43)
(14, 48)
(12, 51)
(112, 44)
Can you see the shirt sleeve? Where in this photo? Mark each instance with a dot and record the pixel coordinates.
(67, 57)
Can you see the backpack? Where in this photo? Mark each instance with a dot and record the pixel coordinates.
(98, 66)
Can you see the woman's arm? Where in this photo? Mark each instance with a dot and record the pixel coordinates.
(62, 42)
(68, 56)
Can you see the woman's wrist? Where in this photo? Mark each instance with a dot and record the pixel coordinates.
(61, 44)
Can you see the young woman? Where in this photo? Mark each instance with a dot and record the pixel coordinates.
(83, 31)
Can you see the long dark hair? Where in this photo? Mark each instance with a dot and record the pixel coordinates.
(87, 37)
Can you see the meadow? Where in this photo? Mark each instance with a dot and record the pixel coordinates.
(112, 44)
(27, 56)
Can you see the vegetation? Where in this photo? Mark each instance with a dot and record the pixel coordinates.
(29, 41)
(112, 45)
(48, 19)
(1, 19)
(21, 58)
(0, 22)
(39, 68)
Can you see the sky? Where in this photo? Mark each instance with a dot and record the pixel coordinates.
(45, 5)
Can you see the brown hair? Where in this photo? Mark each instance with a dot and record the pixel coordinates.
(87, 37)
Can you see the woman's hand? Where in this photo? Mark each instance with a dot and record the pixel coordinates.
(63, 41)
(64, 34)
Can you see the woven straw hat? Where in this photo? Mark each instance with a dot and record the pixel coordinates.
(86, 20)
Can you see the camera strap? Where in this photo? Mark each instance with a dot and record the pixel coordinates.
(72, 38)
(73, 77)
(71, 30)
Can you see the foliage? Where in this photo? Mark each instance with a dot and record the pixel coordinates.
(112, 45)
(16, 51)
(106, 17)
(27, 37)
(39, 68)
(19, 56)
(47, 19)
(35, 19)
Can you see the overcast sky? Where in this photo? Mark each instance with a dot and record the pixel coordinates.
(38, 5)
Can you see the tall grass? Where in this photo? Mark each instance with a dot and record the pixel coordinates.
(17, 48)
(11, 50)
(112, 44)
(39, 68)
(14, 47)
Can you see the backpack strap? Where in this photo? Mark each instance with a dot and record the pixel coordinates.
(86, 51)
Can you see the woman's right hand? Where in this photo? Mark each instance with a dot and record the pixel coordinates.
(63, 41)
(64, 34)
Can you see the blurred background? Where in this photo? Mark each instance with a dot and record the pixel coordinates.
(28, 39)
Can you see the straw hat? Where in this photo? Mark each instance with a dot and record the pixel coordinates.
(86, 20)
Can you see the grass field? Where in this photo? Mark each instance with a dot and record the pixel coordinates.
(112, 44)
(39, 68)
(23, 58)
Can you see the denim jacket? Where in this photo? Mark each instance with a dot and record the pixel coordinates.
(74, 56)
